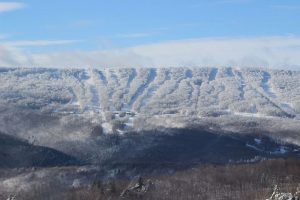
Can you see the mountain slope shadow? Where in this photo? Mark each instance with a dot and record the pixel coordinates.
(189, 147)
(16, 153)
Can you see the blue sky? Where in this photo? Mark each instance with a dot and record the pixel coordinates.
(52, 26)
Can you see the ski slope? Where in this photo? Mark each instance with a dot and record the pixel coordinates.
(107, 94)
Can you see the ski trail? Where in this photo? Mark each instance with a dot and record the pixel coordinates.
(131, 77)
(229, 72)
(113, 85)
(288, 108)
(190, 94)
(100, 82)
(189, 73)
(190, 83)
(174, 82)
(239, 77)
(102, 77)
(213, 74)
(78, 78)
(266, 85)
(151, 76)
(276, 105)
(94, 103)
(152, 90)
(272, 97)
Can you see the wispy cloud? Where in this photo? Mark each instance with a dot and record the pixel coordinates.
(11, 6)
(77, 24)
(13, 57)
(273, 52)
(2, 36)
(28, 43)
(276, 52)
(136, 35)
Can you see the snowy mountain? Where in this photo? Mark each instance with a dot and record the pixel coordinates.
(129, 121)
(201, 92)
(84, 102)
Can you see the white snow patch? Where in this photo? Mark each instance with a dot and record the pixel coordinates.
(282, 150)
(129, 123)
(267, 86)
(107, 128)
(257, 141)
(287, 107)
(257, 115)
(253, 147)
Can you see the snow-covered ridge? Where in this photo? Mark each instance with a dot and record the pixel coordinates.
(125, 94)
(72, 110)
(181, 91)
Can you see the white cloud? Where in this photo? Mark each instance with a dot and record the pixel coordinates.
(274, 52)
(12, 57)
(11, 6)
(268, 52)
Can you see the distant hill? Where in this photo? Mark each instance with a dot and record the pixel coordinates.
(15, 153)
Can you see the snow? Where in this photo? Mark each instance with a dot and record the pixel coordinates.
(254, 147)
(257, 115)
(280, 150)
(130, 122)
(107, 128)
(94, 104)
(266, 85)
(287, 107)
(213, 74)
(257, 141)
(250, 93)
(140, 90)
(283, 150)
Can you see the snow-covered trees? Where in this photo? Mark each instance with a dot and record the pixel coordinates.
(176, 91)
